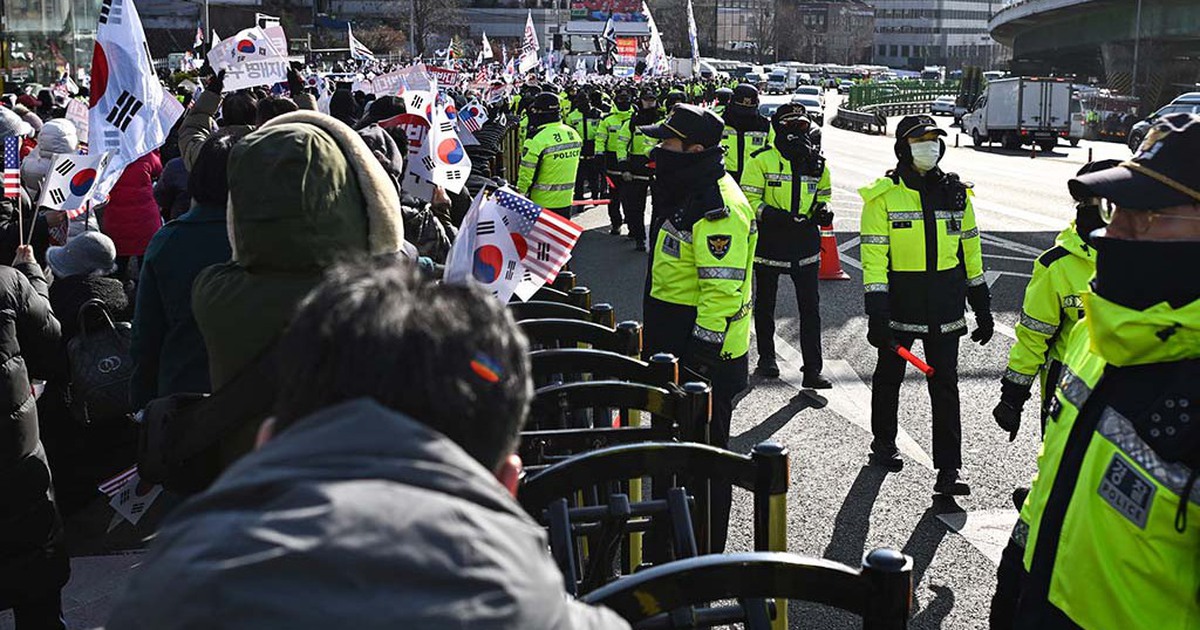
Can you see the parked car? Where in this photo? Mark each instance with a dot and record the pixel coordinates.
(815, 108)
(1190, 98)
(942, 105)
(844, 86)
(1138, 132)
(756, 79)
(813, 91)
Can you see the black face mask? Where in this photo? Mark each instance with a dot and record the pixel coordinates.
(1087, 220)
(677, 174)
(1131, 273)
(792, 142)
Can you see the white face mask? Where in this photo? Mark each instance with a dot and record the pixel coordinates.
(925, 155)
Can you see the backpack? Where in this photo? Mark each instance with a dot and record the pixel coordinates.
(100, 367)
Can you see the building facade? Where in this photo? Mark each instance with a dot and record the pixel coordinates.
(917, 33)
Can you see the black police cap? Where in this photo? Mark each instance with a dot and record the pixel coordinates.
(1160, 175)
(915, 126)
(745, 95)
(691, 124)
(545, 102)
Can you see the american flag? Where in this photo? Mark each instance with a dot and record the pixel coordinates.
(114, 485)
(12, 167)
(549, 238)
(473, 116)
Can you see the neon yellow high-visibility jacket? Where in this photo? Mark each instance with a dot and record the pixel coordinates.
(783, 195)
(549, 162)
(708, 265)
(587, 126)
(739, 145)
(633, 149)
(1052, 307)
(926, 289)
(608, 138)
(1110, 526)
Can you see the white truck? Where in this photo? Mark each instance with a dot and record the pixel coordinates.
(1021, 111)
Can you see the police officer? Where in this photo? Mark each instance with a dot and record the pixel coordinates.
(1108, 535)
(585, 120)
(1051, 309)
(608, 138)
(788, 185)
(724, 95)
(633, 158)
(550, 157)
(746, 130)
(921, 259)
(699, 303)
(673, 98)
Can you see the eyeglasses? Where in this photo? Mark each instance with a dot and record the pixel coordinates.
(1108, 208)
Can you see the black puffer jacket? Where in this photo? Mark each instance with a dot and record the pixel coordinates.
(32, 558)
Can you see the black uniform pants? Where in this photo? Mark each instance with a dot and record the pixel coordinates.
(941, 353)
(633, 200)
(614, 191)
(668, 327)
(808, 302)
(589, 177)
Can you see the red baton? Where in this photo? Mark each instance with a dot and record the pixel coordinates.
(913, 359)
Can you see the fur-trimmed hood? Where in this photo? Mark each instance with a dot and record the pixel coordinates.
(304, 191)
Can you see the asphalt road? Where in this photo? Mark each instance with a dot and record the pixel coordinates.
(838, 507)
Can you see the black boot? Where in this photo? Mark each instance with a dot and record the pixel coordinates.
(949, 483)
(886, 458)
(767, 369)
(816, 381)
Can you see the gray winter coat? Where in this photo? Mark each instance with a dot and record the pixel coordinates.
(355, 517)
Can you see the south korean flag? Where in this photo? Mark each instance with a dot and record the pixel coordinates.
(128, 114)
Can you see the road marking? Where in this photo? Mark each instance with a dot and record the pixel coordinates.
(1009, 244)
(986, 530)
(850, 397)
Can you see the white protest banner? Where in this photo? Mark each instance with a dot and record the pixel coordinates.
(77, 113)
(256, 72)
(248, 44)
(529, 46)
(126, 115)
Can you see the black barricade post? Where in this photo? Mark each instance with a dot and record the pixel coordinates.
(604, 314)
(665, 365)
(581, 297)
(699, 413)
(630, 333)
(565, 281)
(889, 573)
(770, 508)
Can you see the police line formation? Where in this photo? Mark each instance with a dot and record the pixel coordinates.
(358, 457)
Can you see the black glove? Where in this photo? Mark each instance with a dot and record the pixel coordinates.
(879, 328)
(1008, 411)
(294, 81)
(702, 356)
(980, 299)
(879, 333)
(216, 85)
(822, 215)
(985, 327)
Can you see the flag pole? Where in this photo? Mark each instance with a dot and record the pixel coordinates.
(207, 31)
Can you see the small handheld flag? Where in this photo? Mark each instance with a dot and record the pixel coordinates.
(12, 167)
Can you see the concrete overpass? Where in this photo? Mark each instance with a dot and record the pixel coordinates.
(1096, 39)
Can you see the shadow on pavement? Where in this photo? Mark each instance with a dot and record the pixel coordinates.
(853, 520)
(762, 431)
(922, 544)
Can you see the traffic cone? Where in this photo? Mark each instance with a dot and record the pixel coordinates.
(831, 262)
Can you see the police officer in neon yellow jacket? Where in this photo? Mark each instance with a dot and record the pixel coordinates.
(1108, 536)
(550, 157)
(637, 171)
(746, 130)
(922, 261)
(698, 307)
(1051, 309)
(788, 185)
(608, 138)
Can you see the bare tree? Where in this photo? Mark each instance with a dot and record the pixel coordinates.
(382, 39)
(429, 17)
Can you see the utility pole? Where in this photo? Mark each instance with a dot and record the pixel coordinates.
(1137, 41)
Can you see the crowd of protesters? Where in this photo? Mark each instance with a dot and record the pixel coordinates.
(257, 210)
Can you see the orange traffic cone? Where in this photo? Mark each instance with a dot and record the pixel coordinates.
(831, 262)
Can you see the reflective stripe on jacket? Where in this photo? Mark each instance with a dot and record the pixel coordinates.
(549, 162)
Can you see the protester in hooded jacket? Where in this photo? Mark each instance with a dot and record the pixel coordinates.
(28, 116)
(304, 191)
(33, 561)
(56, 137)
(168, 352)
(18, 221)
(131, 216)
(402, 496)
(82, 456)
